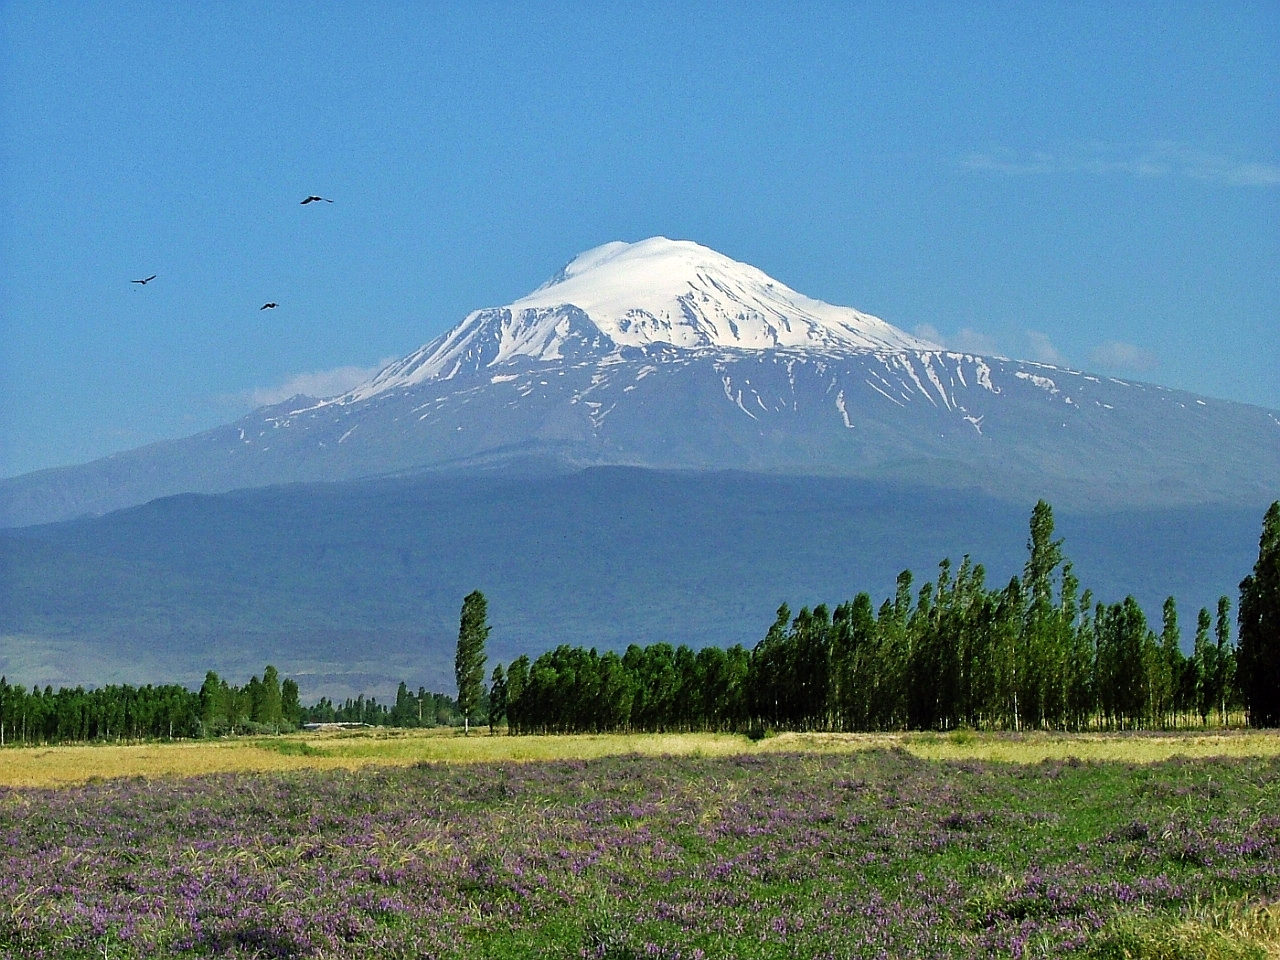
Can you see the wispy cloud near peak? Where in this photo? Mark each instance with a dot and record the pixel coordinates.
(315, 383)
(1042, 350)
(1115, 355)
(1165, 159)
(965, 340)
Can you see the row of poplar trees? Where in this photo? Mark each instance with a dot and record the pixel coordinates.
(126, 712)
(1034, 653)
(116, 712)
(265, 704)
(260, 706)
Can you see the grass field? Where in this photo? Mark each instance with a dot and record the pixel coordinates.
(431, 844)
(53, 766)
(842, 849)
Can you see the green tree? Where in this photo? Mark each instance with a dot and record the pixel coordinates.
(213, 704)
(468, 667)
(405, 711)
(856, 664)
(1258, 654)
(1167, 668)
(426, 708)
(1123, 657)
(497, 697)
(517, 706)
(1045, 555)
(1205, 658)
(253, 695)
(1040, 650)
(269, 702)
(1007, 658)
(290, 704)
(1224, 661)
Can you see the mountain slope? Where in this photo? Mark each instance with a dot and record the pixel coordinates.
(666, 354)
(657, 291)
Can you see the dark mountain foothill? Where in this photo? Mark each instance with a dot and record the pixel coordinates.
(350, 587)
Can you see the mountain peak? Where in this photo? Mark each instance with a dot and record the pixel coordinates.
(687, 295)
(655, 291)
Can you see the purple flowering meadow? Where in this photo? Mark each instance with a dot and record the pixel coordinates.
(874, 854)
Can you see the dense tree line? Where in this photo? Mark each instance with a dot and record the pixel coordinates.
(265, 704)
(423, 709)
(657, 688)
(1035, 653)
(260, 706)
(105, 713)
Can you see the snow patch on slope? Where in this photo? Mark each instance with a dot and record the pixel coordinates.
(656, 292)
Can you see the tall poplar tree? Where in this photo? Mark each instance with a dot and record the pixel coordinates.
(468, 666)
(1224, 674)
(497, 696)
(1258, 650)
(1206, 666)
(1167, 670)
(1044, 557)
(290, 705)
(269, 702)
(1039, 647)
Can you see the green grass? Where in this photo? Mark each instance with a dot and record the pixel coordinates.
(752, 855)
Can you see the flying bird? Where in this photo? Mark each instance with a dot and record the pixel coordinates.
(269, 306)
(314, 199)
(146, 281)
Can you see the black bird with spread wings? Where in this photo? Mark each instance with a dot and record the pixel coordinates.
(269, 306)
(146, 281)
(315, 199)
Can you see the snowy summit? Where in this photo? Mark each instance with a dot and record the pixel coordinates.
(687, 295)
(656, 291)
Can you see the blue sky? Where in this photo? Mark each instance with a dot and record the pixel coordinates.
(1074, 183)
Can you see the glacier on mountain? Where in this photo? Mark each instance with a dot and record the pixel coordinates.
(657, 291)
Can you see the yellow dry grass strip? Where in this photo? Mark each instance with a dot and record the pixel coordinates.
(1262, 926)
(1039, 746)
(1259, 927)
(1218, 931)
(53, 766)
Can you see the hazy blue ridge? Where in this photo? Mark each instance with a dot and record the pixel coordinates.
(353, 586)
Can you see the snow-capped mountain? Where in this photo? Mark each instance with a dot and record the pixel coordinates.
(658, 291)
(667, 354)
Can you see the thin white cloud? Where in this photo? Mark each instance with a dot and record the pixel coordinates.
(1114, 355)
(968, 340)
(1042, 349)
(315, 383)
(1164, 159)
(1033, 164)
(1253, 174)
(927, 331)
(965, 340)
